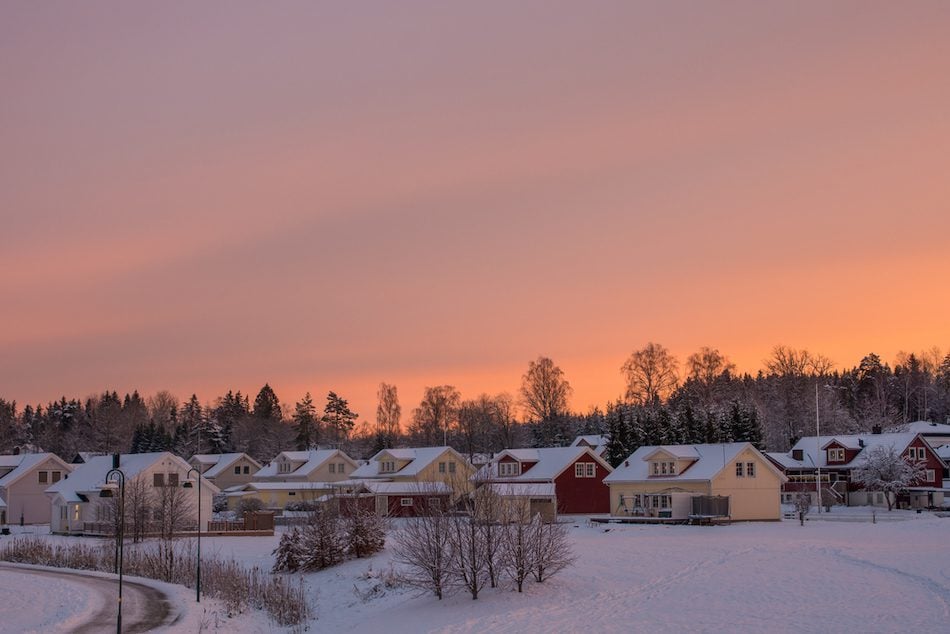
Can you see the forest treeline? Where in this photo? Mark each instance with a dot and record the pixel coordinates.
(701, 400)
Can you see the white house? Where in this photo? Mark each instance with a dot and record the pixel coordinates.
(77, 507)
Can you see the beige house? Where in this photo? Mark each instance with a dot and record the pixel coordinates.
(294, 476)
(226, 469)
(79, 509)
(732, 480)
(24, 479)
(420, 465)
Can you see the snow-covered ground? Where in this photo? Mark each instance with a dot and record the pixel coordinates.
(779, 577)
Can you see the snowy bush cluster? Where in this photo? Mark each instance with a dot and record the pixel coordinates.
(237, 587)
(442, 553)
(327, 539)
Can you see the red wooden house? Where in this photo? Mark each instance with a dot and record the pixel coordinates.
(574, 475)
(837, 456)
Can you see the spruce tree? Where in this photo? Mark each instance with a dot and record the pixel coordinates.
(266, 405)
(338, 418)
(305, 424)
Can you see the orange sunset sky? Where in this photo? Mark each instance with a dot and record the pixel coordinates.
(207, 196)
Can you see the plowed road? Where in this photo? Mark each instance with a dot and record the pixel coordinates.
(143, 608)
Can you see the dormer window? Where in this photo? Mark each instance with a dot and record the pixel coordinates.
(283, 467)
(509, 469)
(836, 455)
(387, 466)
(663, 468)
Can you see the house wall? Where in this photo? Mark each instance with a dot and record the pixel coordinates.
(27, 495)
(460, 481)
(228, 478)
(582, 495)
(391, 505)
(627, 489)
(755, 498)
(322, 474)
(278, 499)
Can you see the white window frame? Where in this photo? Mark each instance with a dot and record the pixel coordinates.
(405, 501)
(740, 470)
(931, 475)
(341, 467)
(332, 467)
(655, 468)
(509, 469)
(750, 469)
(237, 470)
(591, 470)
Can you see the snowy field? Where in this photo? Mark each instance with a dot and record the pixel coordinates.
(892, 576)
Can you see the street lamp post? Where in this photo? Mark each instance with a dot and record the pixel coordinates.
(187, 485)
(114, 475)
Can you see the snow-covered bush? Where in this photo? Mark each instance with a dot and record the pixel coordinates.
(321, 542)
(289, 552)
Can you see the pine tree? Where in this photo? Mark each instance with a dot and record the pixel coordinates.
(305, 422)
(322, 541)
(289, 552)
(338, 418)
(618, 435)
(266, 405)
(365, 534)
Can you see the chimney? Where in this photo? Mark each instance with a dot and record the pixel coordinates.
(798, 454)
(860, 442)
(876, 429)
(626, 463)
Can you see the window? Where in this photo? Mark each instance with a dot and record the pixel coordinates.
(332, 467)
(172, 479)
(158, 479)
(76, 512)
(508, 469)
(918, 453)
(663, 468)
(930, 475)
(283, 467)
(656, 468)
(740, 472)
(441, 467)
(291, 493)
(585, 470)
(237, 470)
(44, 476)
(451, 467)
(387, 466)
(341, 467)
(247, 470)
(57, 475)
(434, 503)
(836, 455)
(405, 501)
(750, 469)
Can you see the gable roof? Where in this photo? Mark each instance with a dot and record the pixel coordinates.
(90, 476)
(550, 462)
(419, 457)
(815, 456)
(710, 460)
(24, 463)
(312, 460)
(219, 462)
(591, 440)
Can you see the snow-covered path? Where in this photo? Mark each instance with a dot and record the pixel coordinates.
(44, 600)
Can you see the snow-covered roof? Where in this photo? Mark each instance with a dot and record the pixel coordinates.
(814, 454)
(312, 460)
(290, 486)
(90, 476)
(522, 489)
(924, 428)
(549, 463)
(419, 457)
(218, 463)
(944, 452)
(591, 440)
(408, 488)
(684, 452)
(23, 463)
(710, 461)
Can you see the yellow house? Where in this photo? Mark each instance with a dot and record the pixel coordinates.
(226, 469)
(731, 480)
(294, 476)
(419, 465)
